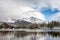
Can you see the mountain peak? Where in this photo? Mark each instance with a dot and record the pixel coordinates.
(30, 16)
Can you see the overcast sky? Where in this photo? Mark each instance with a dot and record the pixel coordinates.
(48, 9)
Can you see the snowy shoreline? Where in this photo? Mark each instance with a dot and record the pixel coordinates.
(32, 30)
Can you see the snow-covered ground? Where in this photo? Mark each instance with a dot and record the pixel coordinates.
(56, 28)
(33, 30)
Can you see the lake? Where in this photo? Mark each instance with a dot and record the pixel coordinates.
(23, 35)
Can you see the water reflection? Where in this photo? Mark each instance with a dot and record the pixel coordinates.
(54, 34)
(22, 35)
(40, 35)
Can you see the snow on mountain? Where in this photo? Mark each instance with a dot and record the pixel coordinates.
(30, 16)
(33, 20)
(12, 12)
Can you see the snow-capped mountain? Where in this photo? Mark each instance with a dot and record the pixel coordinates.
(32, 20)
(30, 16)
(21, 22)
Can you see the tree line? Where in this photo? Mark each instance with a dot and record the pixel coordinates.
(50, 25)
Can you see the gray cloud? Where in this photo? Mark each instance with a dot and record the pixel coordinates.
(55, 16)
(15, 8)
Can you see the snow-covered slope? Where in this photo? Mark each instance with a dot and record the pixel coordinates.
(30, 16)
(12, 11)
(32, 20)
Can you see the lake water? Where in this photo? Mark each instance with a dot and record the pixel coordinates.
(22, 35)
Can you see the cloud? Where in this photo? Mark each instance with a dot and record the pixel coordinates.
(17, 9)
(55, 16)
(55, 3)
(38, 4)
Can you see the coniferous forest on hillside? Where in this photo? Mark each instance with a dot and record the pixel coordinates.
(43, 25)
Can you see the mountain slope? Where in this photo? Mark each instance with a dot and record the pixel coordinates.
(33, 20)
(21, 22)
(30, 16)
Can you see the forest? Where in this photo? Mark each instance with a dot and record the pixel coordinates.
(43, 25)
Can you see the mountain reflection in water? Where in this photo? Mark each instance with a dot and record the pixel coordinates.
(22, 35)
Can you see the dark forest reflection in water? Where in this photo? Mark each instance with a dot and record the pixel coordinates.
(39, 35)
(54, 34)
(23, 35)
